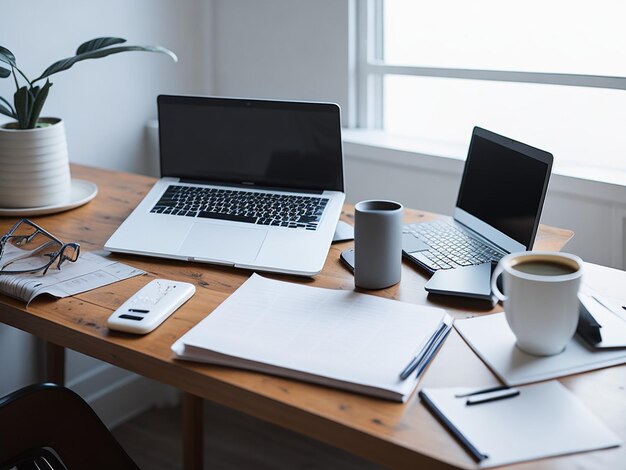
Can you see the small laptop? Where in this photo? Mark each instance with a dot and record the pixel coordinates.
(497, 212)
(254, 184)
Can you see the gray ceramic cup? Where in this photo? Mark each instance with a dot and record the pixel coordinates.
(377, 244)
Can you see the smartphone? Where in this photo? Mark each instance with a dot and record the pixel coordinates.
(347, 258)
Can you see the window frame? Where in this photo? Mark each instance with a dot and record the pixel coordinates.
(371, 69)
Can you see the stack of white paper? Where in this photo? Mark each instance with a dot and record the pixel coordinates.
(334, 337)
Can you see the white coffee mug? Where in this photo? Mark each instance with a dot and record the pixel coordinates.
(540, 298)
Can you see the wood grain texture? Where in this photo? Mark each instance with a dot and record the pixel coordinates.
(396, 435)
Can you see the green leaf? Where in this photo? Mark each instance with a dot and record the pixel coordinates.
(22, 100)
(40, 99)
(4, 73)
(65, 64)
(7, 112)
(7, 56)
(7, 103)
(98, 43)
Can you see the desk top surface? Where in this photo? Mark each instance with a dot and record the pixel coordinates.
(397, 435)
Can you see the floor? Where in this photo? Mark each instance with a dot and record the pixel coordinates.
(232, 440)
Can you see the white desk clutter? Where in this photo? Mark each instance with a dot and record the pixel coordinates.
(606, 324)
(337, 338)
(541, 300)
(33, 261)
(494, 342)
(603, 306)
(150, 306)
(531, 422)
(89, 272)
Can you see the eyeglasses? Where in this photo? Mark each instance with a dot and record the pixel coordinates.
(28, 248)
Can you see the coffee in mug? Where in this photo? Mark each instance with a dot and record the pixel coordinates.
(544, 268)
(540, 298)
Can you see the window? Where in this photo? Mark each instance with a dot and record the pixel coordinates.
(550, 74)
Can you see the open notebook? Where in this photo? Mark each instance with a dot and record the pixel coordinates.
(337, 338)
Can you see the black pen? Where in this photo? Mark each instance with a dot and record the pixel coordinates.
(411, 366)
(473, 451)
(492, 396)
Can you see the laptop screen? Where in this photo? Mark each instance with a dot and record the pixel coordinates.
(289, 145)
(504, 184)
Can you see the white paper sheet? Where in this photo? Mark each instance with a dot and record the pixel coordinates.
(493, 341)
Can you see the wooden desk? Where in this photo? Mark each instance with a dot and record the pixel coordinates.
(396, 435)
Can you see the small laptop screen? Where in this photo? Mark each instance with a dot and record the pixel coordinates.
(504, 184)
(256, 142)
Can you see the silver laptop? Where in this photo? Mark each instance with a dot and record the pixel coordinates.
(253, 184)
(497, 212)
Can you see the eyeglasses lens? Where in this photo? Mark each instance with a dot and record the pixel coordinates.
(28, 249)
(70, 253)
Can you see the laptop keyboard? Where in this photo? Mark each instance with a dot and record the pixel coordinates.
(284, 210)
(449, 246)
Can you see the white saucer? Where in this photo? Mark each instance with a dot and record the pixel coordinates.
(81, 193)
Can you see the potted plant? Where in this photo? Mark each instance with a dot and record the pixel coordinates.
(34, 164)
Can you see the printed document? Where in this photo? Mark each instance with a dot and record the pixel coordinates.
(88, 272)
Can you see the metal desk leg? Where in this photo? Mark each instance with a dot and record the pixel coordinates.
(192, 432)
(55, 363)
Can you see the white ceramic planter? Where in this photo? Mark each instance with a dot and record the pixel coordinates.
(34, 166)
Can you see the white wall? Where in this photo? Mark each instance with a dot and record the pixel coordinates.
(282, 49)
(105, 104)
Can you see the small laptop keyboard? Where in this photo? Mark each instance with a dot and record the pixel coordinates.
(284, 210)
(449, 246)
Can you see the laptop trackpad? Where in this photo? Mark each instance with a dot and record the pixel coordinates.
(213, 242)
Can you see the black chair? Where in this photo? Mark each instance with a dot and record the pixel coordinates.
(49, 427)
